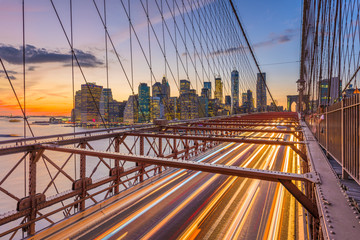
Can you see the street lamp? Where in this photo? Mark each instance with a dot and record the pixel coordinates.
(301, 87)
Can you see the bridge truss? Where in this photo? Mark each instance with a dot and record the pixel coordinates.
(103, 173)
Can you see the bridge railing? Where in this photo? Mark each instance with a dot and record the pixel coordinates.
(57, 185)
(337, 129)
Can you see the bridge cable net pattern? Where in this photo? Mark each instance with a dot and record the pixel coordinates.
(192, 40)
(330, 50)
(330, 64)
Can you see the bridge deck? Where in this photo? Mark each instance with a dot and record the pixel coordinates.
(339, 219)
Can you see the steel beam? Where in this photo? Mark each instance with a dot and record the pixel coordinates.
(234, 124)
(267, 175)
(301, 197)
(291, 144)
(215, 138)
(244, 120)
(235, 129)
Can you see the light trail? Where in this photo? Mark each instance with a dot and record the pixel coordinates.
(111, 232)
(237, 198)
(236, 226)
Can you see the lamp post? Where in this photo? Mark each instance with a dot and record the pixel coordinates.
(301, 87)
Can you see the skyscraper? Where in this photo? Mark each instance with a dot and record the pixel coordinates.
(208, 86)
(261, 92)
(212, 107)
(144, 102)
(203, 103)
(86, 111)
(248, 101)
(165, 88)
(184, 86)
(116, 113)
(105, 104)
(91, 96)
(228, 100)
(205, 92)
(234, 91)
(194, 109)
(165, 96)
(131, 112)
(76, 113)
(156, 89)
(335, 90)
(219, 89)
(244, 98)
(185, 101)
(155, 108)
(173, 107)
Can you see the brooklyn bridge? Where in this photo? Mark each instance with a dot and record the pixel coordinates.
(205, 151)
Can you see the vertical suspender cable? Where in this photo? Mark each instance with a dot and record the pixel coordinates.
(131, 50)
(252, 53)
(77, 62)
(107, 109)
(163, 35)
(333, 51)
(24, 83)
(73, 76)
(175, 37)
(150, 63)
(106, 65)
(186, 48)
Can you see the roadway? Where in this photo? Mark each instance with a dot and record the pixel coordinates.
(187, 204)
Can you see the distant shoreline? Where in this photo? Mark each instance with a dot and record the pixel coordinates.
(18, 116)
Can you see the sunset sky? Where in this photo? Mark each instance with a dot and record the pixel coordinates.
(273, 28)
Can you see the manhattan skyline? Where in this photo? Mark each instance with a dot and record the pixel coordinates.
(48, 60)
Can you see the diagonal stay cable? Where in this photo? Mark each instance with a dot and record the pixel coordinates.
(184, 65)
(244, 55)
(141, 47)
(252, 53)
(78, 63)
(116, 53)
(17, 99)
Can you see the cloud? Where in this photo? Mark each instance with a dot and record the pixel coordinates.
(227, 51)
(41, 55)
(61, 95)
(168, 13)
(273, 40)
(10, 74)
(31, 68)
(39, 98)
(276, 39)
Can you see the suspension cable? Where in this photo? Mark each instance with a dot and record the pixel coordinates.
(252, 54)
(79, 65)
